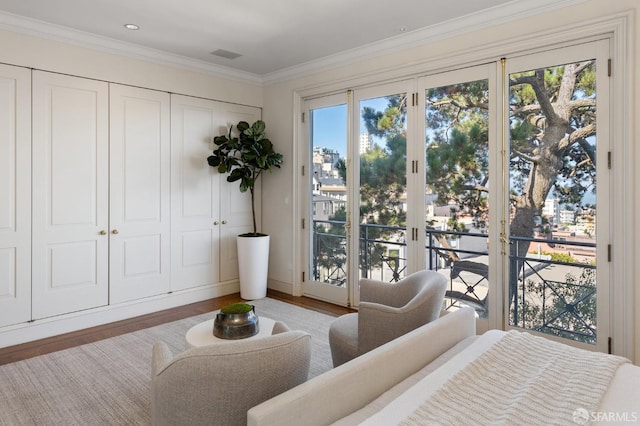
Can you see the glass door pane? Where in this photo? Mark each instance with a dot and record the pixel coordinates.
(456, 210)
(327, 195)
(383, 181)
(554, 263)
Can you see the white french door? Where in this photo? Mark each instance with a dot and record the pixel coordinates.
(384, 120)
(347, 156)
(325, 194)
(557, 135)
(459, 161)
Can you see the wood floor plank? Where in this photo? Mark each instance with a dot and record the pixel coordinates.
(94, 334)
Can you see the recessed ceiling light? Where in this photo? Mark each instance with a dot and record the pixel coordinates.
(131, 27)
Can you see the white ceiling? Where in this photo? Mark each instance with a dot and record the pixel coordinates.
(271, 36)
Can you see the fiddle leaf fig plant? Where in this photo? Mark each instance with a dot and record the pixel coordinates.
(244, 157)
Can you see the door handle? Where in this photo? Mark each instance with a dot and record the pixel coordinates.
(102, 232)
(114, 232)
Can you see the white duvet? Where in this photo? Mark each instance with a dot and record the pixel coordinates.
(620, 403)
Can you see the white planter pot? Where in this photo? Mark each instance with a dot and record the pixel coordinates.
(253, 262)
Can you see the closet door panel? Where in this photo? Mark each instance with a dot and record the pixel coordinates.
(15, 195)
(195, 207)
(70, 194)
(139, 193)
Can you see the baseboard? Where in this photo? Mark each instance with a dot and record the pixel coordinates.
(48, 327)
(280, 286)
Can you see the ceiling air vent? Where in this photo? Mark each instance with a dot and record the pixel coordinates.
(226, 54)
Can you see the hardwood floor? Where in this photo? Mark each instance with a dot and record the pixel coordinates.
(93, 334)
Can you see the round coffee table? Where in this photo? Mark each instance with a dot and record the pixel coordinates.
(202, 334)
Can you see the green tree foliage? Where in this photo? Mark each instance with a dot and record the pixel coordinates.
(383, 169)
(457, 146)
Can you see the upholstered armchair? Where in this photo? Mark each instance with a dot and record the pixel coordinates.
(217, 384)
(386, 311)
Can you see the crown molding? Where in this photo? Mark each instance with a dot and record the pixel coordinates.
(514, 10)
(33, 27)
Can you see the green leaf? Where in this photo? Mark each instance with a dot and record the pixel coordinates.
(242, 126)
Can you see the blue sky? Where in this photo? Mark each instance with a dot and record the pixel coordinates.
(330, 128)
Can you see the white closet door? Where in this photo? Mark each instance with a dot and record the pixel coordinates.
(139, 233)
(15, 195)
(195, 207)
(70, 194)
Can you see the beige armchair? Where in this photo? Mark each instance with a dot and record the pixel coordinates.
(386, 311)
(217, 384)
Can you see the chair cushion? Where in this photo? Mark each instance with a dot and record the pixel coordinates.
(343, 338)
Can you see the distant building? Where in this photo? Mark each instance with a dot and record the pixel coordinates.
(324, 163)
(567, 216)
(365, 142)
(551, 211)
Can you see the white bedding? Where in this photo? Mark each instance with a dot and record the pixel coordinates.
(620, 403)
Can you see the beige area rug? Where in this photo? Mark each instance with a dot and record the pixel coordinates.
(108, 382)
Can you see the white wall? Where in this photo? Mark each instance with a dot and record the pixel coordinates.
(34, 52)
(280, 109)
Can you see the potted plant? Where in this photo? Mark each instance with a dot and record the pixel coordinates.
(236, 321)
(244, 157)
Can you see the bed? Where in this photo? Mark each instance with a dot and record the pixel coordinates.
(443, 371)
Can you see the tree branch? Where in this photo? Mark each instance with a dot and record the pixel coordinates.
(478, 188)
(577, 135)
(531, 158)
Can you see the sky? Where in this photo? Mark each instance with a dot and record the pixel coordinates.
(330, 128)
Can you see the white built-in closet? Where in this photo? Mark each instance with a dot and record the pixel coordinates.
(106, 196)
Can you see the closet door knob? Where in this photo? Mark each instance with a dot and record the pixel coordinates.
(102, 232)
(215, 223)
(115, 231)
(224, 222)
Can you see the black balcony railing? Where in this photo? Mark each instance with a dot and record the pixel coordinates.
(550, 293)
(554, 295)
